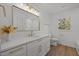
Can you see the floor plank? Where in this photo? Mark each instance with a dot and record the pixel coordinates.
(61, 50)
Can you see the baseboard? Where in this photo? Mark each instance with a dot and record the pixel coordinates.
(69, 44)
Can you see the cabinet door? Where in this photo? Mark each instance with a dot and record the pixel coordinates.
(32, 49)
(19, 51)
(44, 46)
(39, 47)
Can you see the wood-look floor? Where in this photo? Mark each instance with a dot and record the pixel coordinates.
(62, 50)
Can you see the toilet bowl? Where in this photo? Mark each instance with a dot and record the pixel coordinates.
(54, 41)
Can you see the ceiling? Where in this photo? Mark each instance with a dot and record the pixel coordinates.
(54, 7)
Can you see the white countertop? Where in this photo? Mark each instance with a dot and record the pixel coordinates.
(17, 42)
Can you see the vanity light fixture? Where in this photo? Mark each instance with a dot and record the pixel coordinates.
(31, 9)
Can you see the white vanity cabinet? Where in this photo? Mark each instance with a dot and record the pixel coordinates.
(39, 47)
(18, 51)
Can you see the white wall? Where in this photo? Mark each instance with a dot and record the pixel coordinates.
(67, 37)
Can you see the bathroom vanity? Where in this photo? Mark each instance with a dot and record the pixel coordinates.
(26, 47)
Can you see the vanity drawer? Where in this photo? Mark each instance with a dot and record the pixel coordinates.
(18, 51)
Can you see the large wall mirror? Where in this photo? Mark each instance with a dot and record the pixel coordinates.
(25, 21)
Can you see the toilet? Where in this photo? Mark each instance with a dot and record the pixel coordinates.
(54, 41)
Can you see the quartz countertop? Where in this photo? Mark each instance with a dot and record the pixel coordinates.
(19, 41)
